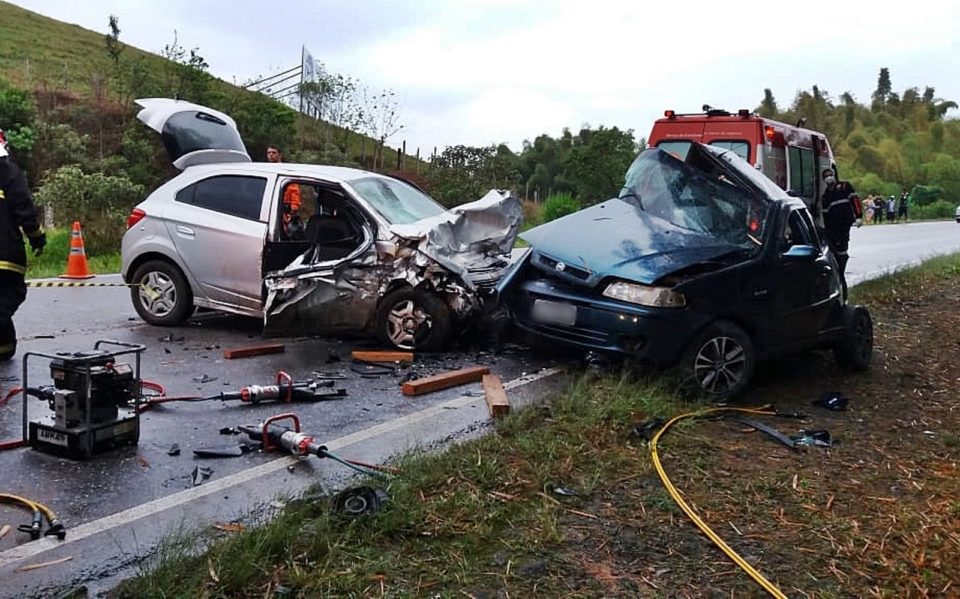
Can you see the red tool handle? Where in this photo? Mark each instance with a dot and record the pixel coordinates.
(267, 446)
(283, 376)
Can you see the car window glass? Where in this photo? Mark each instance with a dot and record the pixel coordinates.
(399, 203)
(740, 148)
(191, 131)
(235, 195)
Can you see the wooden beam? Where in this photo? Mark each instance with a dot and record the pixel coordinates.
(382, 356)
(495, 395)
(254, 350)
(445, 380)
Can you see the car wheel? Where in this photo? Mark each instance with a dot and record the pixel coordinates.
(409, 319)
(855, 350)
(719, 362)
(161, 295)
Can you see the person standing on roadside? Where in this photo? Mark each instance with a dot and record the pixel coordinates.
(841, 210)
(902, 206)
(17, 213)
(891, 209)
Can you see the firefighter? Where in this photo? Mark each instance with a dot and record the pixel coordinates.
(841, 210)
(292, 226)
(17, 211)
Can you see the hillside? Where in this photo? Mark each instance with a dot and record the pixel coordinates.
(67, 66)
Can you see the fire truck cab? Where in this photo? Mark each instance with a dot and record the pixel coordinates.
(790, 156)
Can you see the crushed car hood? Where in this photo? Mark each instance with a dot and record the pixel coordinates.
(469, 238)
(618, 239)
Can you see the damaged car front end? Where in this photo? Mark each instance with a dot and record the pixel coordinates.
(413, 284)
(700, 262)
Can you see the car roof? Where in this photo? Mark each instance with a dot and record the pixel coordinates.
(336, 174)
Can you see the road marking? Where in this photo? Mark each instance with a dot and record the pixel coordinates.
(76, 284)
(83, 531)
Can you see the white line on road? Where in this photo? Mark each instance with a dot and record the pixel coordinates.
(83, 531)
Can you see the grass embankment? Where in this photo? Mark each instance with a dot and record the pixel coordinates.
(53, 261)
(876, 515)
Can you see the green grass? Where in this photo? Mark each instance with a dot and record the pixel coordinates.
(53, 261)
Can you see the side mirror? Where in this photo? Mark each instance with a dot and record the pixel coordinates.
(801, 253)
(793, 193)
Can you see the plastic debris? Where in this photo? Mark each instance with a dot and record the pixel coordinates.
(200, 474)
(174, 449)
(359, 501)
(834, 401)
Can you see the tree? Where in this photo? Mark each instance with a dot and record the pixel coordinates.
(186, 72)
(883, 90)
(465, 173)
(380, 118)
(598, 162)
(768, 107)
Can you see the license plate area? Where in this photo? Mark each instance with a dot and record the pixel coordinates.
(550, 312)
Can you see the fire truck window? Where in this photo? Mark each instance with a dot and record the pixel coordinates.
(802, 172)
(740, 148)
(678, 148)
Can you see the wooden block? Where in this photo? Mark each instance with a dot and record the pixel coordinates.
(445, 380)
(382, 356)
(254, 350)
(496, 396)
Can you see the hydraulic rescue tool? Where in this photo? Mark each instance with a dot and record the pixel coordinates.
(94, 401)
(285, 390)
(55, 528)
(275, 436)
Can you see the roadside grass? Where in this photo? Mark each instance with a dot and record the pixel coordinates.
(493, 514)
(53, 261)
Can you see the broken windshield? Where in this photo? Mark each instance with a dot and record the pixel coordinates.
(399, 203)
(697, 195)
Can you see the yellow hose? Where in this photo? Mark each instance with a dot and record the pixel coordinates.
(33, 505)
(757, 576)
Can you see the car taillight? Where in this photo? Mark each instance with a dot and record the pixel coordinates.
(136, 215)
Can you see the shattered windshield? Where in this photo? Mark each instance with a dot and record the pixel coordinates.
(399, 203)
(697, 195)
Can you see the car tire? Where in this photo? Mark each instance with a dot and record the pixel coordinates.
(720, 361)
(161, 295)
(410, 319)
(854, 351)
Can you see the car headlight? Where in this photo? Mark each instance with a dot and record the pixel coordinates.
(645, 295)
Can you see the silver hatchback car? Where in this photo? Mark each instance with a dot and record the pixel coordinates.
(310, 249)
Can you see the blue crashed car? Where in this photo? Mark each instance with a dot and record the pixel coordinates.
(700, 263)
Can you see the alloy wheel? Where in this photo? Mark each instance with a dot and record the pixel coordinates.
(158, 293)
(720, 365)
(406, 323)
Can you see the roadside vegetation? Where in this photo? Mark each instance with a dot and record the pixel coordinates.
(53, 261)
(561, 499)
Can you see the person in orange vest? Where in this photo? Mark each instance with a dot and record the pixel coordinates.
(17, 212)
(291, 199)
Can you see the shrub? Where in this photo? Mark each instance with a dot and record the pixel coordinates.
(938, 209)
(532, 214)
(559, 205)
(100, 202)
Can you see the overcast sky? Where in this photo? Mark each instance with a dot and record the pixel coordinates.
(477, 72)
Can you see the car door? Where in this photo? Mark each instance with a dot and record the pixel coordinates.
(803, 273)
(193, 134)
(330, 279)
(219, 225)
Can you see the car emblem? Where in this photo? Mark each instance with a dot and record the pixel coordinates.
(560, 267)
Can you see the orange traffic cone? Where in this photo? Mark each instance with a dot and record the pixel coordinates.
(77, 267)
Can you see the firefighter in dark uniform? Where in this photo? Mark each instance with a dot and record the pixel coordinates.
(841, 210)
(17, 211)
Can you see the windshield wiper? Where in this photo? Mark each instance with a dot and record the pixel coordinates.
(630, 194)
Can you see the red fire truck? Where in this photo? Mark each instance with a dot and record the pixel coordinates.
(791, 156)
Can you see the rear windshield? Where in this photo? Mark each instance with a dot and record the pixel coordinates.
(399, 203)
(679, 148)
(191, 131)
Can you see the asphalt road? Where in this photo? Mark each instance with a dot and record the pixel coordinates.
(121, 503)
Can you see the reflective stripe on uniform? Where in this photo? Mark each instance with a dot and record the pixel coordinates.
(4, 265)
(3, 196)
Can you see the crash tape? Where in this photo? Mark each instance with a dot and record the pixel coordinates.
(76, 284)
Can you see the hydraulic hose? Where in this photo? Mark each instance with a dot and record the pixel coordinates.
(675, 494)
(54, 526)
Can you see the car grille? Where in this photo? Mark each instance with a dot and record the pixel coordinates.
(550, 265)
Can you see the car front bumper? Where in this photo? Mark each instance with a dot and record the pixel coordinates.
(597, 323)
